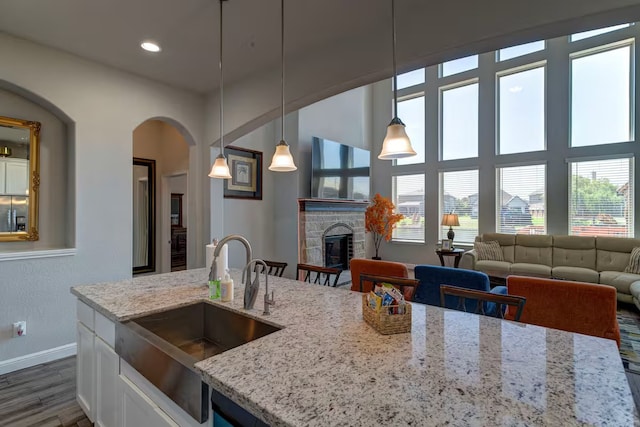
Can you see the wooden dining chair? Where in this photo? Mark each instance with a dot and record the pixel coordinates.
(318, 275)
(406, 286)
(274, 268)
(501, 301)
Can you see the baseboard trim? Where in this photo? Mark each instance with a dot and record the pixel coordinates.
(38, 358)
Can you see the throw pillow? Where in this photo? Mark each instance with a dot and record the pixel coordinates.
(488, 251)
(634, 262)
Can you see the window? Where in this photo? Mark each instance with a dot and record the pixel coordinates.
(411, 78)
(459, 194)
(408, 196)
(411, 112)
(520, 50)
(460, 122)
(458, 65)
(593, 33)
(521, 111)
(601, 198)
(601, 97)
(521, 206)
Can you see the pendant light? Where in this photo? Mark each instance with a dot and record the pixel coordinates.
(282, 161)
(396, 144)
(220, 168)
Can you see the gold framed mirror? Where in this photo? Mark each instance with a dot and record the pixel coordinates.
(19, 179)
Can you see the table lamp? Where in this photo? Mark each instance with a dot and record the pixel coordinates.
(450, 219)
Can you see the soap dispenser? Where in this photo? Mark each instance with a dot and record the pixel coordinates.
(226, 288)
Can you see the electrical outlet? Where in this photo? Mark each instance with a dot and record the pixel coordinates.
(19, 329)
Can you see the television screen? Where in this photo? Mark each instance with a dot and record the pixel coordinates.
(339, 171)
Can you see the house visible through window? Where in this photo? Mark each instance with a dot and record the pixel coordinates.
(408, 196)
(459, 194)
(521, 200)
(601, 198)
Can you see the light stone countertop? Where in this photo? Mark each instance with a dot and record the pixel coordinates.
(327, 367)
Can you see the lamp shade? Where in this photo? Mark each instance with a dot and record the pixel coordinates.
(282, 161)
(396, 144)
(220, 168)
(450, 220)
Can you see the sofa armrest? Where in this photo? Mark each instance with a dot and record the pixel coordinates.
(468, 260)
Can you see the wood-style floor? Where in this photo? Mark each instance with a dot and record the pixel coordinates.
(43, 395)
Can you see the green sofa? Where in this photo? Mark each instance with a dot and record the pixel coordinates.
(581, 258)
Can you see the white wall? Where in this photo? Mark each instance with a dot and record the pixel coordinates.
(103, 106)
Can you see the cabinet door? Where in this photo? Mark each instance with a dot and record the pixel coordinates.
(85, 385)
(17, 177)
(107, 371)
(138, 410)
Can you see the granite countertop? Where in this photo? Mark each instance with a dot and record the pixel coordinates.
(327, 367)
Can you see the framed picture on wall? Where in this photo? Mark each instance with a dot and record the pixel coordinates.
(246, 174)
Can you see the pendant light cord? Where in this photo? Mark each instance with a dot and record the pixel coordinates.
(221, 88)
(282, 58)
(395, 74)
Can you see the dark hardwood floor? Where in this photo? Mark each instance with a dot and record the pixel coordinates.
(43, 395)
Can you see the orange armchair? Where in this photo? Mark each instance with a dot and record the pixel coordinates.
(375, 267)
(585, 308)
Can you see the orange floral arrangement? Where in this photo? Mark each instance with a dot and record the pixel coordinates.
(380, 220)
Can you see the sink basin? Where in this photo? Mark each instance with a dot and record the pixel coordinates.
(164, 347)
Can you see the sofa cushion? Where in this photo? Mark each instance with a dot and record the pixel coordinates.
(578, 274)
(507, 242)
(493, 266)
(613, 252)
(488, 251)
(532, 249)
(574, 251)
(525, 268)
(619, 280)
(634, 262)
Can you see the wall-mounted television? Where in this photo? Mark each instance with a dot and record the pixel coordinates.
(339, 171)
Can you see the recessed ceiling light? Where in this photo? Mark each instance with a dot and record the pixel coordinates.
(150, 46)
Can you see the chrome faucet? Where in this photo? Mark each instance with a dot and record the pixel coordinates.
(255, 286)
(249, 298)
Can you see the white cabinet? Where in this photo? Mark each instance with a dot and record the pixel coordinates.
(85, 386)
(98, 367)
(138, 410)
(14, 176)
(107, 369)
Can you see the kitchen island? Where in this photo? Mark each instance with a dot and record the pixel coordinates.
(327, 367)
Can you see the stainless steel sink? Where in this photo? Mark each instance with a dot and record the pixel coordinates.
(164, 347)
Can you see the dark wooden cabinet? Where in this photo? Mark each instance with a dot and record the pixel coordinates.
(178, 248)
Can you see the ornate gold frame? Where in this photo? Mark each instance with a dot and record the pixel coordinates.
(34, 185)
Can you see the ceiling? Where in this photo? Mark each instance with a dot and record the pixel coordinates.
(326, 39)
(111, 31)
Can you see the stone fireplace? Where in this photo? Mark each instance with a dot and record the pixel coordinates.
(331, 232)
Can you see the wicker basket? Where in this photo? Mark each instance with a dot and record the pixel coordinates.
(386, 323)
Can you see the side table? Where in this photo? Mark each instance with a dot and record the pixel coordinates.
(457, 253)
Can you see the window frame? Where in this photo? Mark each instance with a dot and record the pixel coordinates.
(441, 90)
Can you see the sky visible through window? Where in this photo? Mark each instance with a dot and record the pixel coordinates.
(600, 113)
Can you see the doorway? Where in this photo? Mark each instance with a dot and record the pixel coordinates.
(175, 213)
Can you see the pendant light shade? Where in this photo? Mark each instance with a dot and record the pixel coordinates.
(396, 144)
(220, 168)
(282, 160)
